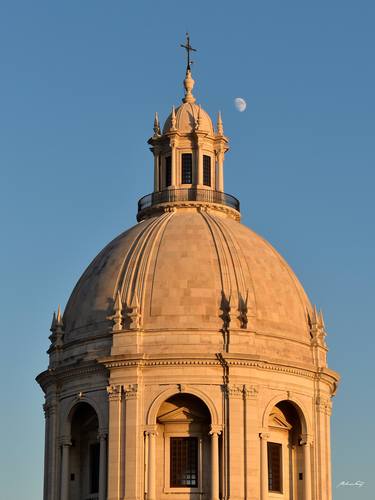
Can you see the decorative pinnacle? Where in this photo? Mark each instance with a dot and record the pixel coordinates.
(157, 131)
(173, 119)
(220, 129)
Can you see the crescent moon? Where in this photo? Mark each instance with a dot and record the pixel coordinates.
(240, 104)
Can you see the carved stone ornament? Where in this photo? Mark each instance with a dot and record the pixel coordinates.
(251, 391)
(215, 429)
(131, 391)
(114, 392)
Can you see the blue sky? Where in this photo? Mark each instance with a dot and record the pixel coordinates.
(80, 82)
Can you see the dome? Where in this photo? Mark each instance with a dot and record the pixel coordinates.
(186, 119)
(186, 270)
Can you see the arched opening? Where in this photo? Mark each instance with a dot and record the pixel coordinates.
(285, 452)
(183, 453)
(84, 456)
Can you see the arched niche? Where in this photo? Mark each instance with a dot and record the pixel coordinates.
(285, 430)
(84, 453)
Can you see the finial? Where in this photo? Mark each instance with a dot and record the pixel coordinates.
(173, 119)
(220, 129)
(188, 85)
(59, 322)
(157, 131)
(53, 324)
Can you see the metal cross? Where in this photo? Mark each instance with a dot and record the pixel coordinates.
(189, 49)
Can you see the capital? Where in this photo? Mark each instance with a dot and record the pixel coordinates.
(215, 430)
(264, 436)
(65, 441)
(306, 439)
(151, 430)
(114, 392)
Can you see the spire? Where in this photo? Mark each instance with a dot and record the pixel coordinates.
(157, 131)
(220, 129)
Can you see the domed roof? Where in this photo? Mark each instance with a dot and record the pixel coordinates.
(186, 270)
(187, 117)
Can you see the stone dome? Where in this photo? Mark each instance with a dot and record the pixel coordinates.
(184, 271)
(186, 119)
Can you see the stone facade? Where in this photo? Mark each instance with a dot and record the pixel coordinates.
(188, 332)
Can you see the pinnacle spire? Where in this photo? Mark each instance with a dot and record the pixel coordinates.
(157, 130)
(220, 129)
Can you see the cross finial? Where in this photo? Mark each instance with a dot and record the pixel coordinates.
(188, 49)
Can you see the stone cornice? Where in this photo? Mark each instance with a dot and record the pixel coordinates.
(52, 376)
(230, 360)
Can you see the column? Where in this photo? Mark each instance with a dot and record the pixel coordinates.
(215, 432)
(156, 170)
(151, 478)
(219, 171)
(52, 452)
(132, 460)
(46, 454)
(65, 445)
(306, 443)
(252, 451)
(102, 436)
(199, 163)
(328, 445)
(173, 164)
(264, 437)
(235, 397)
(114, 441)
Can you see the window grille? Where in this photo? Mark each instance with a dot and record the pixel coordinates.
(187, 164)
(207, 170)
(274, 467)
(184, 462)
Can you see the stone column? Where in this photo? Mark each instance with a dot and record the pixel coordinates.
(199, 162)
(157, 187)
(151, 466)
(102, 436)
(133, 443)
(252, 451)
(65, 445)
(114, 441)
(328, 445)
(173, 163)
(235, 396)
(219, 170)
(215, 432)
(306, 443)
(46, 451)
(264, 437)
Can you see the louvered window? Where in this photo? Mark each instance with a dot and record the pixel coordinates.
(184, 462)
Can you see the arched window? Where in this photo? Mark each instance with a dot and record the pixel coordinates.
(168, 171)
(207, 170)
(186, 168)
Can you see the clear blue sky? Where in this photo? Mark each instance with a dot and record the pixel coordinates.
(79, 85)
